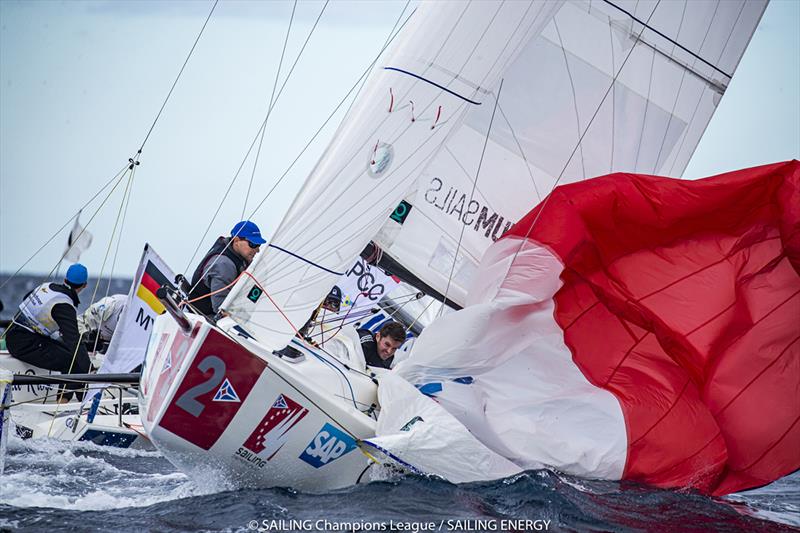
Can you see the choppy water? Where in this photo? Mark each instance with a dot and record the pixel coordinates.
(55, 486)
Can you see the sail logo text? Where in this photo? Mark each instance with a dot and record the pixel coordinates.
(468, 212)
(327, 446)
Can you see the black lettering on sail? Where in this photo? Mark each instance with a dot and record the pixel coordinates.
(484, 222)
(436, 186)
(142, 319)
(495, 236)
(459, 205)
(445, 200)
(472, 208)
(455, 191)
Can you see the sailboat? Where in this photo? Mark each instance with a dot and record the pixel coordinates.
(478, 113)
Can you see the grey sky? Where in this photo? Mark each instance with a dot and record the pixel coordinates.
(80, 83)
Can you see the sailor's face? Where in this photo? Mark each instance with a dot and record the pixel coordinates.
(244, 249)
(386, 346)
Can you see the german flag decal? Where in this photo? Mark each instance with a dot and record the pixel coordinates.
(152, 280)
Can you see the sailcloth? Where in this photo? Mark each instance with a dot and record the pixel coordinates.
(588, 88)
(629, 327)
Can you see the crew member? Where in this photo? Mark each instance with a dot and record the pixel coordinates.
(379, 348)
(97, 324)
(224, 262)
(44, 332)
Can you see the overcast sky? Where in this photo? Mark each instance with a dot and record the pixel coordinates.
(81, 82)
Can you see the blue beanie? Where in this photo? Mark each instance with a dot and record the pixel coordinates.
(77, 274)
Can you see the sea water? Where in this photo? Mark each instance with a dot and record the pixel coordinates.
(51, 485)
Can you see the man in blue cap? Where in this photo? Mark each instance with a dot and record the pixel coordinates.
(224, 262)
(44, 331)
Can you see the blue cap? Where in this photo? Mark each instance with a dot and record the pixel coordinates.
(77, 274)
(249, 231)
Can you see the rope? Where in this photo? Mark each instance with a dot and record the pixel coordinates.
(158, 115)
(131, 174)
(580, 140)
(471, 195)
(252, 144)
(59, 230)
(50, 275)
(269, 108)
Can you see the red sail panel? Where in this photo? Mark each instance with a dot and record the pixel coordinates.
(682, 298)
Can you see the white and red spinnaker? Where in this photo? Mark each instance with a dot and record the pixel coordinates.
(629, 327)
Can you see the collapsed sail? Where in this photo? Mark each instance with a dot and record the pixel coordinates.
(588, 88)
(629, 327)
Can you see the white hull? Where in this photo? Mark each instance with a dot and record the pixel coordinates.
(35, 414)
(230, 411)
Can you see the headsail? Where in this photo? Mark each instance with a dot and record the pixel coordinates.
(451, 57)
(606, 87)
(588, 88)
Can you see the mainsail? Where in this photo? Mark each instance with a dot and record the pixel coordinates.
(588, 87)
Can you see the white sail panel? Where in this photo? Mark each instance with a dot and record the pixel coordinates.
(606, 87)
(449, 56)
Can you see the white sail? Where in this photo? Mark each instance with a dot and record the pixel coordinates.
(588, 88)
(606, 87)
(450, 57)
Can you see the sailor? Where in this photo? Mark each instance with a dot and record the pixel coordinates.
(379, 348)
(332, 303)
(98, 322)
(224, 262)
(44, 332)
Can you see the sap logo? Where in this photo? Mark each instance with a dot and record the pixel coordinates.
(328, 445)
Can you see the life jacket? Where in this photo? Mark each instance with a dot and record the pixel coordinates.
(198, 278)
(35, 311)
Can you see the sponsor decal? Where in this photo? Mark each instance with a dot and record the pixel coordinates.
(255, 293)
(407, 425)
(226, 393)
(272, 432)
(177, 351)
(471, 213)
(327, 446)
(167, 363)
(380, 159)
(401, 212)
(192, 414)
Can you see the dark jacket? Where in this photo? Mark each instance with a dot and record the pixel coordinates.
(370, 348)
(25, 342)
(211, 275)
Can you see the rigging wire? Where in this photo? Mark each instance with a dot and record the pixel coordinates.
(269, 107)
(580, 140)
(255, 138)
(130, 163)
(59, 230)
(399, 164)
(311, 140)
(131, 172)
(163, 105)
(313, 137)
(471, 194)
